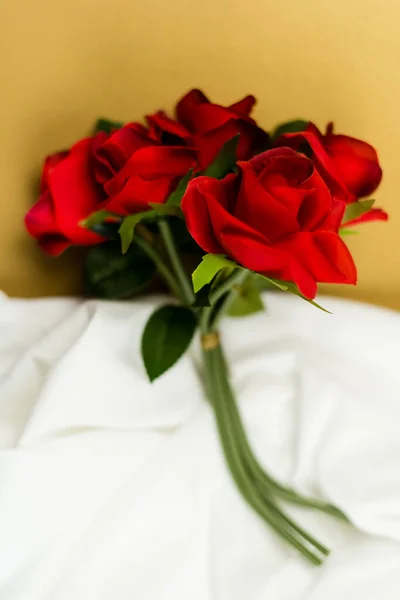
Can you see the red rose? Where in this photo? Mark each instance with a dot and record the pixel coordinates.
(121, 173)
(356, 162)
(209, 126)
(276, 217)
(69, 193)
(350, 166)
(136, 170)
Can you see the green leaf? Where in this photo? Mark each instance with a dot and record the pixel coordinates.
(111, 275)
(167, 210)
(275, 282)
(344, 232)
(127, 229)
(225, 160)
(289, 127)
(208, 268)
(222, 275)
(166, 336)
(107, 125)
(357, 209)
(293, 289)
(213, 263)
(247, 301)
(289, 286)
(175, 198)
(264, 283)
(97, 218)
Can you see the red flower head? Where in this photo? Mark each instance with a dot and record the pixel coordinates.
(121, 173)
(207, 126)
(276, 217)
(136, 170)
(350, 166)
(69, 193)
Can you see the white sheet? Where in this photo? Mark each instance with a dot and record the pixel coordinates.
(113, 489)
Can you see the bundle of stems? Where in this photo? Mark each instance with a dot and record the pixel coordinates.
(262, 492)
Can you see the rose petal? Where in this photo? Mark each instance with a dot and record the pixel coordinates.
(244, 106)
(137, 192)
(196, 211)
(321, 158)
(303, 279)
(158, 161)
(119, 147)
(258, 161)
(252, 139)
(54, 244)
(361, 176)
(75, 194)
(334, 218)
(41, 224)
(317, 205)
(211, 142)
(187, 103)
(206, 117)
(375, 214)
(164, 123)
(252, 250)
(102, 167)
(240, 241)
(356, 162)
(154, 162)
(48, 166)
(324, 255)
(261, 210)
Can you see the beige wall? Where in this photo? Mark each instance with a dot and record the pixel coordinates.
(64, 62)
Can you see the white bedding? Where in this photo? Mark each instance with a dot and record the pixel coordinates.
(113, 489)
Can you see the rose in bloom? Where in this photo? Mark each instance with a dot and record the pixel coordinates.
(135, 169)
(121, 173)
(350, 166)
(68, 193)
(276, 217)
(208, 126)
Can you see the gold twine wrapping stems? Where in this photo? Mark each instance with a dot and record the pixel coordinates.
(210, 340)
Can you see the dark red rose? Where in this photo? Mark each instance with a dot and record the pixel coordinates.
(136, 170)
(276, 217)
(121, 173)
(350, 166)
(69, 193)
(207, 127)
(356, 162)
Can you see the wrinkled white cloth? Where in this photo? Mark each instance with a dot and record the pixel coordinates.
(112, 488)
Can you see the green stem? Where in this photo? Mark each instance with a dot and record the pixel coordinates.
(210, 315)
(162, 268)
(215, 378)
(241, 277)
(234, 278)
(265, 480)
(208, 322)
(228, 399)
(259, 489)
(186, 287)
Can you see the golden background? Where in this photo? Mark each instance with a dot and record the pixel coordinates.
(65, 62)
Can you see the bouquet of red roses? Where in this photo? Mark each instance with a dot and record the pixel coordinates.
(218, 209)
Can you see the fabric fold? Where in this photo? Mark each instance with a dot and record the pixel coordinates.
(112, 487)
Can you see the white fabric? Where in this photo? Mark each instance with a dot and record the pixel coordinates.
(115, 489)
